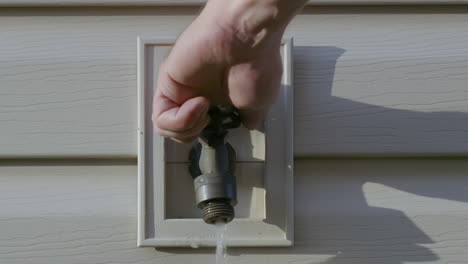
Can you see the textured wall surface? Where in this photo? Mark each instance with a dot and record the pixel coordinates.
(347, 211)
(368, 81)
(15, 3)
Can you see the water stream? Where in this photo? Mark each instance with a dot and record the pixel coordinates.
(221, 249)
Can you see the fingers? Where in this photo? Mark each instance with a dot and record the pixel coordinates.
(183, 122)
(188, 135)
(177, 118)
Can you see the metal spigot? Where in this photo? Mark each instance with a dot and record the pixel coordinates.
(212, 164)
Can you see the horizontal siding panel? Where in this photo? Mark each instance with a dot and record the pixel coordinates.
(366, 83)
(200, 2)
(68, 82)
(381, 211)
(387, 85)
(347, 211)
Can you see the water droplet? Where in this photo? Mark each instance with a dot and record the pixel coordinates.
(194, 245)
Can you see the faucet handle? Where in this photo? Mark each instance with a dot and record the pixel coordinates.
(228, 115)
(222, 118)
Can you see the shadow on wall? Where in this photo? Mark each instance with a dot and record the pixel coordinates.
(378, 105)
(363, 234)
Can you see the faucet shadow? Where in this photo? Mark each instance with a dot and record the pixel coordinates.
(364, 233)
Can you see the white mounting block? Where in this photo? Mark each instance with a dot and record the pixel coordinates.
(167, 214)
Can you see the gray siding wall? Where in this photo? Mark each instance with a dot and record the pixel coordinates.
(369, 81)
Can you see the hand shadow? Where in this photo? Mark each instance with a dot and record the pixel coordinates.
(337, 221)
(357, 232)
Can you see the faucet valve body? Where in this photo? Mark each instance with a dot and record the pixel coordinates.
(212, 165)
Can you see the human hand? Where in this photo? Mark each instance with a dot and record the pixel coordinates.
(218, 59)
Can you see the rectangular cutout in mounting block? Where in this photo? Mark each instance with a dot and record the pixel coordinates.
(167, 214)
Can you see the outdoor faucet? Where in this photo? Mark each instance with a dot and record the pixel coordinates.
(212, 164)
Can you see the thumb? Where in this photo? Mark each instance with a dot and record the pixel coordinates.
(173, 117)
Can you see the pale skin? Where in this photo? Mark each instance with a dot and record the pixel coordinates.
(230, 54)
